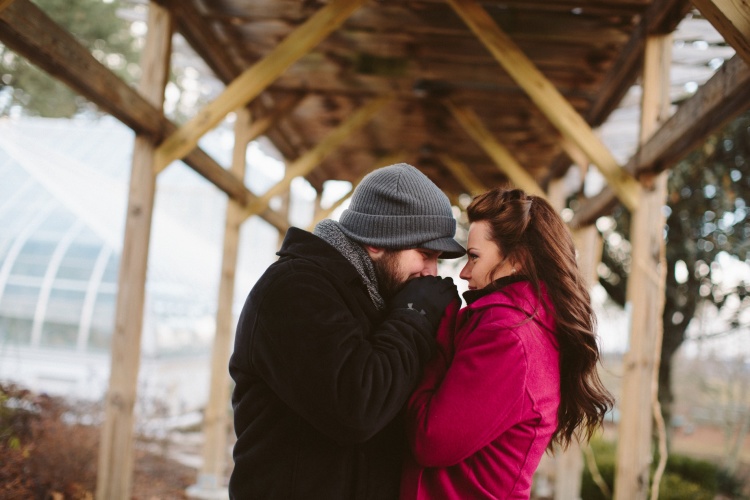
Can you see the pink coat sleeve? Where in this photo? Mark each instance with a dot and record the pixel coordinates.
(461, 406)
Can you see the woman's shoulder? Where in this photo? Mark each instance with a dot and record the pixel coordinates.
(516, 308)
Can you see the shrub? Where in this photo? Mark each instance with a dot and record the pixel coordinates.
(684, 477)
(676, 487)
(46, 452)
(41, 453)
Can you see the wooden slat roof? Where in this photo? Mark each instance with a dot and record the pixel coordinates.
(577, 60)
(423, 53)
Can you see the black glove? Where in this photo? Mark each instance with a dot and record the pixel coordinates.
(428, 295)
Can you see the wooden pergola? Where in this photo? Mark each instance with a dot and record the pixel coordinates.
(473, 93)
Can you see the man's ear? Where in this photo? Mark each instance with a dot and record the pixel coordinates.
(374, 252)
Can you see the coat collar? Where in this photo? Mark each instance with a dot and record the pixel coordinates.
(472, 296)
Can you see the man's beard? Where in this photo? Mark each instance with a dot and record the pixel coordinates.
(388, 273)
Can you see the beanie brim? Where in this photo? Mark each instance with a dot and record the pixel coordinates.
(402, 233)
(449, 247)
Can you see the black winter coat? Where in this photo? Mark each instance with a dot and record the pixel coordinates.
(321, 378)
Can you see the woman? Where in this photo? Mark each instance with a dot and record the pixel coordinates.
(516, 368)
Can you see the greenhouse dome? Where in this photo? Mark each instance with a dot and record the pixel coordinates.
(63, 198)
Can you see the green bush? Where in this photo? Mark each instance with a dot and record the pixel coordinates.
(698, 471)
(676, 487)
(684, 477)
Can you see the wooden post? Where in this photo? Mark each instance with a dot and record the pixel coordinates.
(210, 478)
(569, 463)
(646, 285)
(116, 446)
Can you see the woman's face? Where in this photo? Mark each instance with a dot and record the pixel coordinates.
(485, 263)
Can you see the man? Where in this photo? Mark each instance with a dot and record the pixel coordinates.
(332, 340)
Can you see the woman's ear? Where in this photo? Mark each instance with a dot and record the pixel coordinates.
(515, 266)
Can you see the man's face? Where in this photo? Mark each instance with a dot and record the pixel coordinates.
(395, 267)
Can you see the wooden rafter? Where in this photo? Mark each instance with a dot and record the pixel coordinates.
(311, 159)
(195, 26)
(547, 98)
(255, 79)
(662, 16)
(262, 125)
(499, 153)
(463, 173)
(721, 98)
(28, 31)
(731, 18)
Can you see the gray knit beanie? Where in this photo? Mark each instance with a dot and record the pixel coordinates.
(398, 207)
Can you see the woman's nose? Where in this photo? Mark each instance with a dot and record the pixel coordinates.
(465, 273)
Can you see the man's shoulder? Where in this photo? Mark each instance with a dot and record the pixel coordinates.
(296, 271)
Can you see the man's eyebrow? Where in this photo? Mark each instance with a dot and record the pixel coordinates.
(432, 252)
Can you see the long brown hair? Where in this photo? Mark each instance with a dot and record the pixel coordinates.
(529, 232)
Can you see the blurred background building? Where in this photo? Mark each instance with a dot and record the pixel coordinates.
(63, 197)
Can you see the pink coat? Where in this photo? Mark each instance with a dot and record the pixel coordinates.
(481, 418)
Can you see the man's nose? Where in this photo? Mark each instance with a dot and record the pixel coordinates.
(430, 269)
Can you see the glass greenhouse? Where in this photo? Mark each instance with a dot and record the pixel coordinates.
(63, 196)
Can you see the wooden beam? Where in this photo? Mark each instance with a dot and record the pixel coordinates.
(28, 31)
(4, 3)
(115, 468)
(197, 28)
(723, 97)
(260, 126)
(311, 159)
(590, 209)
(255, 79)
(197, 32)
(463, 173)
(499, 153)
(661, 16)
(575, 154)
(731, 18)
(646, 289)
(546, 97)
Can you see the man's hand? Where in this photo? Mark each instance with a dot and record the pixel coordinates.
(428, 295)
